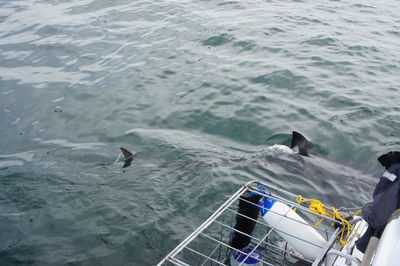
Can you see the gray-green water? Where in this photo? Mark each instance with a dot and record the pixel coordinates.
(199, 89)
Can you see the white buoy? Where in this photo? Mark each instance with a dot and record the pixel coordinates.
(291, 227)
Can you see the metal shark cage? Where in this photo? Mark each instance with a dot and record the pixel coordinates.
(209, 244)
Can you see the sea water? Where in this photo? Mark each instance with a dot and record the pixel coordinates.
(198, 89)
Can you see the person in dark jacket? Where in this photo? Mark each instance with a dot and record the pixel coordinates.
(386, 199)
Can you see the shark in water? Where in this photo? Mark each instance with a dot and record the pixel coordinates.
(297, 167)
(299, 145)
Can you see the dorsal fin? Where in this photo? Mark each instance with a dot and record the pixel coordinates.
(300, 142)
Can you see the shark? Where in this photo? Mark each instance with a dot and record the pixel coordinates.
(297, 167)
(299, 144)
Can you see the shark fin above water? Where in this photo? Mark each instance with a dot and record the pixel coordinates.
(128, 157)
(300, 143)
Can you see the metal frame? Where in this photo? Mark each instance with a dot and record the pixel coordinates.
(176, 256)
(348, 257)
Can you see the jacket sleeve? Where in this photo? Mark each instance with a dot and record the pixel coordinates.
(377, 212)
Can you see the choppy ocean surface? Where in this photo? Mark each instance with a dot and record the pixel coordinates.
(200, 90)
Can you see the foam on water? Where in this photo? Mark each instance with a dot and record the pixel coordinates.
(276, 150)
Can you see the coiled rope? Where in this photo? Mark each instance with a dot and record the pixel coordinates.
(318, 207)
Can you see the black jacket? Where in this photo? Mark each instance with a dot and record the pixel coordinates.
(386, 199)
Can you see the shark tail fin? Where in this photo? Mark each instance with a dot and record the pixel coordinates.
(300, 142)
(127, 154)
(128, 157)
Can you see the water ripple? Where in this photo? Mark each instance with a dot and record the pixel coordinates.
(198, 89)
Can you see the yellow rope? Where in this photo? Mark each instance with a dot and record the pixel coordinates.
(318, 207)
